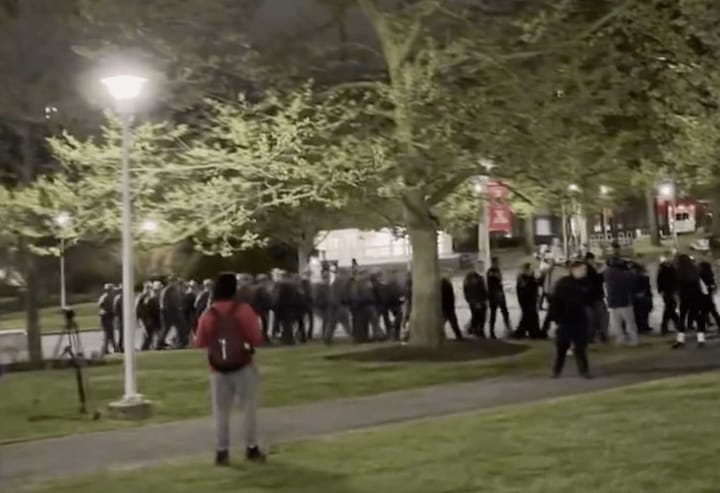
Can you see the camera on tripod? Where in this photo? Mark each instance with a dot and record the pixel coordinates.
(69, 314)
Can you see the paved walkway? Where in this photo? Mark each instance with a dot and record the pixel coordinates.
(95, 452)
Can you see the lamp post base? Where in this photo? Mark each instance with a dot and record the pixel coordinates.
(135, 409)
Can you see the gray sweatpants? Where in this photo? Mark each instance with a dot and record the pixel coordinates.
(620, 317)
(226, 388)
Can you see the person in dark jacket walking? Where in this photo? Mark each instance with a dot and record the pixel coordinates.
(149, 308)
(388, 298)
(284, 308)
(105, 308)
(708, 278)
(569, 310)
(619, 282)
(476, 295)
(262, 303)
(598, 314)
(642, 299)
(447, 295)
(691, 292)
(527, 294)
(202, 301)
(667, 287)
(172, 316)
(118, 318)
(496, 297)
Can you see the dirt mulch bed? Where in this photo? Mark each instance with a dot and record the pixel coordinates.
(56, 364)
(450, 351)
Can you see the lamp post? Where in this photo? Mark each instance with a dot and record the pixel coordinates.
(482, 189)
(62, 220)
(668, 190)
(604, 193)
(125, 89)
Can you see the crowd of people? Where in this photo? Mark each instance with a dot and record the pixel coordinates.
(373, 305)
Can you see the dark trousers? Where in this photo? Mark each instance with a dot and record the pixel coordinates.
(392, 320)
(265, 325)
(451, 317)
(362, 317)
(152, 327)
(692, 314)
(333, 316)
(599, 319)
(642, 309)
(118, 326)
(305, 323)
(176, 320)
(106, 322)
(547, 323)
(669, 312)
(495, 305)
(577, 338)
(478, 315)
(529, 320)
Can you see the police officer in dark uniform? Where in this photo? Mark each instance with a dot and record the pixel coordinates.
(202, 301)
(172, 316)
(306, 311)
(362, 305)
(667, 286)
(496, 297)
(708, 278)
(388, 296)
(527, 294)
(284, 299)
(476, 295)
(568, 308)
(447, 295)
(105, 308)
(262, 303)
(149, 308)
(118, 318)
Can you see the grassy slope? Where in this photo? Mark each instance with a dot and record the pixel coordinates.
(45, 404)
(51, 319)
(660, 437)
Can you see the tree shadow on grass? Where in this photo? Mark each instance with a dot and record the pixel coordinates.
(284, 477)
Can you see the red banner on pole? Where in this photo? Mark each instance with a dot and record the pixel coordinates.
(499, 212)
(500, 218)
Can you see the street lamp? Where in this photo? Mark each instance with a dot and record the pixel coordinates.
(149, 226)
(668, 191)
(125, 89)
(605, 191)
(62, 220)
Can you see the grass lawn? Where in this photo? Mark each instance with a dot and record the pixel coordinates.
(42, 404)
(51, 320)
(660, 437)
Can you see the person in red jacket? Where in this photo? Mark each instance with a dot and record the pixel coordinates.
(230, 332)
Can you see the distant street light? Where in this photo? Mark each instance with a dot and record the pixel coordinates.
(668, 191)
(125, 89)
(605, 190)
(149, 226)
(573, 188)
(62, 220)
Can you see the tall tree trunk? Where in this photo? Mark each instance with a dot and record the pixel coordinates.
(426, 320)
(32, 308)
(528, 222)
(652, 216)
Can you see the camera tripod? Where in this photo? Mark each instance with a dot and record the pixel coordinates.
(74, 352)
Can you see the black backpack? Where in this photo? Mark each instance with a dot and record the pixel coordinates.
(228, 350)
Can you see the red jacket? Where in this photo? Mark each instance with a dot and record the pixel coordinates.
(247, 323)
